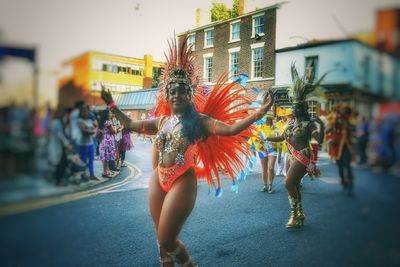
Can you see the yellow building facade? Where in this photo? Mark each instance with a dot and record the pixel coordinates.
(118, 73)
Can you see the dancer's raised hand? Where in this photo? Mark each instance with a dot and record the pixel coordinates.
(267, 102)
(106, 95)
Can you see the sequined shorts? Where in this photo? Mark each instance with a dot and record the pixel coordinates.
(168, 175)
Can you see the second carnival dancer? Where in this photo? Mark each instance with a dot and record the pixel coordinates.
(297, 136)
(194, 127)
(340, 132)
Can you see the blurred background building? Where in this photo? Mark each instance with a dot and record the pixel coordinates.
(85, 74)
(386, 36)
(14, 89)
(364, 68)
(359, 75)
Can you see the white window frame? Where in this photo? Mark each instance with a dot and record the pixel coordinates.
(253, 26)
(235, 102)
(255, 46)
(231, 31)
(207, 56)
(97, 65)
(307, 60)
(205, 37)
(194, 44)
(95, 86)
(312, 107)
(230, 51)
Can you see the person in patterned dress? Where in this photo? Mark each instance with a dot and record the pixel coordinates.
(107, 146)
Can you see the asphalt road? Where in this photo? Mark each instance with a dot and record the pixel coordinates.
(245, 229)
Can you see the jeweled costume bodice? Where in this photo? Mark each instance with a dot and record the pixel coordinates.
(298, 135)
(299, 130)
(170, 139)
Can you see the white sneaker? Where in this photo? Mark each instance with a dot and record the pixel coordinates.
(264, 188)
(270, 189)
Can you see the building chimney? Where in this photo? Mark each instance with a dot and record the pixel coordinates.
(198, 17)
(241, 7)
(148, 71)
(203, 17)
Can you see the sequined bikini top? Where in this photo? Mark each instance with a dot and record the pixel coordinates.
(297, 129)
(170, 139)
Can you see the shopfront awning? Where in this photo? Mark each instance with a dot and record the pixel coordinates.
(137, 100)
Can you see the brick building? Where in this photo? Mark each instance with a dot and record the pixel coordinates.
(244, 44)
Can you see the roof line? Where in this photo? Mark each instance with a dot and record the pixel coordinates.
(68, 61)
(313, 44)
(140, 91)
(328, 42)
(276, 6)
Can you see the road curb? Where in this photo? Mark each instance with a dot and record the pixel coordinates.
(56, 199)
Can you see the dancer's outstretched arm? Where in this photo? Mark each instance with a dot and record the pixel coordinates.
(276, 138)
(139, 126)
(319, 135)
(217, 127)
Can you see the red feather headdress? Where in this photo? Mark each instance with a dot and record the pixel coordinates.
(225, 102)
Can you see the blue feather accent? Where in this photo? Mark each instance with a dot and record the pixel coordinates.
(251, 164)
(218, 193)
(240, 175)
(234, 187)
(243, 79)
(262, 136)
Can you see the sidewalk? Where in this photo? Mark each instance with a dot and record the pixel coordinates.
(25, 188)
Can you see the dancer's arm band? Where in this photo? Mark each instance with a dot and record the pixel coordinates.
(112, 106)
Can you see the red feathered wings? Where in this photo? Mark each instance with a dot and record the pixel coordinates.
(227, 103)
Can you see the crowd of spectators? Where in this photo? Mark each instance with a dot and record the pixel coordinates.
(60, 144)
(376, 141)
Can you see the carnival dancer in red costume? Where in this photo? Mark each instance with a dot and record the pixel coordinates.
(193, 128)
(297, 136)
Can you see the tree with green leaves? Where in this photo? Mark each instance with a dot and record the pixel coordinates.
(235, 9)
(219, 11)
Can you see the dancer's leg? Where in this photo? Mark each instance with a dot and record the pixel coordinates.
(156, 199)
(340, 164)
(177, 206)
(293, 177)
(264, 175)
(271, 172)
